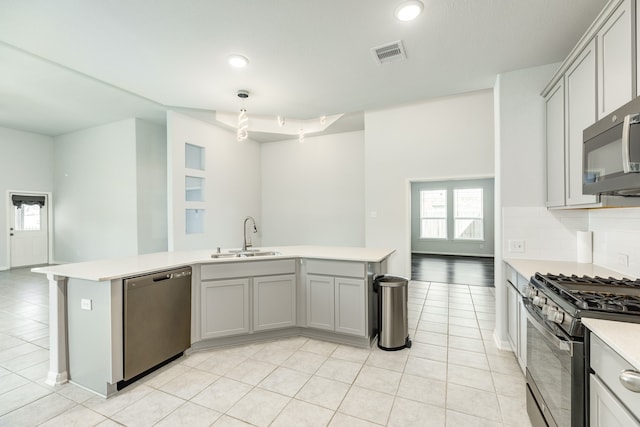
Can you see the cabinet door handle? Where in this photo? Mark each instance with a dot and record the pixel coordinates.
(630, 380)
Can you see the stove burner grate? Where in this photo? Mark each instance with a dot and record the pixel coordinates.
(603, 301)
(595, 293)
(562, 279)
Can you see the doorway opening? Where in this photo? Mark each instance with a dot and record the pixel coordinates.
(452, 231)
(28, 228)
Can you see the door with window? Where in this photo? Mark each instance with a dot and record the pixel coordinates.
(453, 217)
(28, 229)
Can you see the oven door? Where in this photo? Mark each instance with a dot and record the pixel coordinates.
(555, 374)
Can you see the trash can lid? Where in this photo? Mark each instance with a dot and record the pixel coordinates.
(391, 281)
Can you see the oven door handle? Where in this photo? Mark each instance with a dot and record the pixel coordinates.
(561, 344)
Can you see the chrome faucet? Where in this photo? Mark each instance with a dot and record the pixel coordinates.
(247, 242)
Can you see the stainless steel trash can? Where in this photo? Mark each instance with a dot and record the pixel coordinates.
(393, 330)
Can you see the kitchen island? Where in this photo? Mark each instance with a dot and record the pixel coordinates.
(316, 291)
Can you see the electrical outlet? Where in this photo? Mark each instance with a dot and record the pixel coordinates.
(622, 259)
(85, 304)
(516, 246)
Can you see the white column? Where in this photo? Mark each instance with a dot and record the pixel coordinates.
(57, 330)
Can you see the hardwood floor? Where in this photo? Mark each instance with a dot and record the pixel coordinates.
(452, 269)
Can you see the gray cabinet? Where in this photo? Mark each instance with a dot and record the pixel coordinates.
(274, 302)
(580, 90)
(615, 58)
(350, 306)
(605, 410)
(320, 302)
(554, 103)
(516, 315)
(513, 325)
(593, 81)
(610, 403)
(224, 307)
(336, 302)
(241, 297)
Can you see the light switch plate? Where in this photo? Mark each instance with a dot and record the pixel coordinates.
(85, 304)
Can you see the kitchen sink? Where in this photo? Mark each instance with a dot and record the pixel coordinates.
(244, 254)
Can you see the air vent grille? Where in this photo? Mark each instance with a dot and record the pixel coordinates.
(391, 52)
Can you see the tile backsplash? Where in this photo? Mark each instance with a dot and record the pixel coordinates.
(552, 234)
(546, 234)
(616, 239)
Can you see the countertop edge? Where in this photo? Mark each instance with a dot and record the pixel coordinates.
(528, 267)
(171, 260)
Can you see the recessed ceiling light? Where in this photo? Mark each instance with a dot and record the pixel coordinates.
(238, 61)
(409, 10)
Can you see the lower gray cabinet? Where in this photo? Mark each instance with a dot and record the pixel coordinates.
(516, 315)
(224, 307)
(605, 410)
(320, 302)
(349, 306)
(274, 302)
(336, 304)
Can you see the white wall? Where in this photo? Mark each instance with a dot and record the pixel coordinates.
(313, 193)
(95, 204)
(435, 140)
(232, 184)
(547, 234)
(520, 177)
(151, 176)
(26, 164)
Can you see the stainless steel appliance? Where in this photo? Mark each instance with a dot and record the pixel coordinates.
(556, 370)
(611, 153)
(157, 320)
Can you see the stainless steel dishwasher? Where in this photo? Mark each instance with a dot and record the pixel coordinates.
(157, 320)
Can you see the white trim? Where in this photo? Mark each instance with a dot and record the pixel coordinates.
(49, 206)
(58, 355)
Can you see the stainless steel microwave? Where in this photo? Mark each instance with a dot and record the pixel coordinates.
(611, 153)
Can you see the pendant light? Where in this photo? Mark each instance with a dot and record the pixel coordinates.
(242, 132)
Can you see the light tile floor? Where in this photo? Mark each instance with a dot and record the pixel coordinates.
(452, 376)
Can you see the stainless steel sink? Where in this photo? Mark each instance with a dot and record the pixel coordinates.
(244, 254)
(224, 255)
(258, 253)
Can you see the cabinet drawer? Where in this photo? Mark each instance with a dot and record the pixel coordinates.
(608, 365)
(336, 268)
(247, 269)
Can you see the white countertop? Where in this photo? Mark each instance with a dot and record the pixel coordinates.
(622, 337)
(116, 268)
(528, 267)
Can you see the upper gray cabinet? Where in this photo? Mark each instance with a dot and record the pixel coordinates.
(554, 103)
(615, 59)
(580, 92)
(596, 78)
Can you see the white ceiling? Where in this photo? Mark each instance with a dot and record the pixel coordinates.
(67, 64)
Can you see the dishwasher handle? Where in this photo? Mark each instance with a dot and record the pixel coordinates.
(170, 276)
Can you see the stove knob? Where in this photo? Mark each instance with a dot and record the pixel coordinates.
(539, 301)
(545, 309)
(531, 292)
(555, 315)
(550, 312)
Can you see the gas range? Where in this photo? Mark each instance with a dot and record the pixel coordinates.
(562, 300)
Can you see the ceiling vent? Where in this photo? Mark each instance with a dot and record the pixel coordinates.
(391, 52)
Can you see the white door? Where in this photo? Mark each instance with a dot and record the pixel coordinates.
(29, 229)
